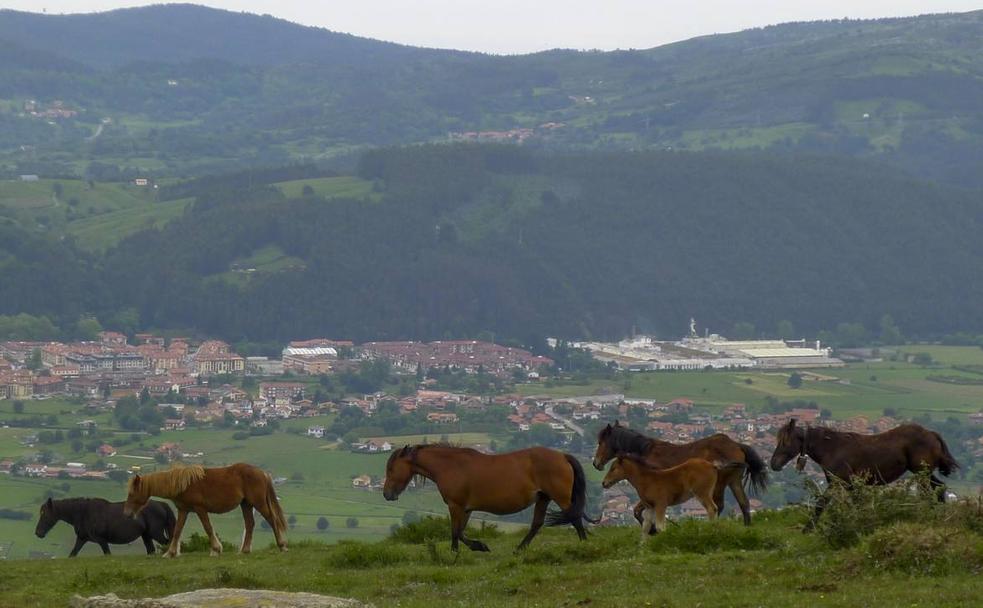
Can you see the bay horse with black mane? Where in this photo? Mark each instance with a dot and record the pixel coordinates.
(753, 477)
(103, 522)
(878, 459)
(211, 490)
(469, 480)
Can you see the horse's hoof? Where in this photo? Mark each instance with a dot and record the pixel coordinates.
(214, 553)
(168, 555)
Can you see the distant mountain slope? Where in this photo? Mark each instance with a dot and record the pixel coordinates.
(192, 90)
(174, 33)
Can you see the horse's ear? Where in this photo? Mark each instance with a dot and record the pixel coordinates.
(404, 451)
(136, 481)
(49, 504)
(617, 422)
(791, 423)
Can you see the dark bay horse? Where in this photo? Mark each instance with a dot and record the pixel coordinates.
(659, 489)
(879, 459)
(211, 490)
(615, 439)
(494, 483)
(103, 522)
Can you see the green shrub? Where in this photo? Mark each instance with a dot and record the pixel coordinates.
(858, 509)
(439, 528)
(198, 543)
(917, 549)
(692, 536)
(577, 551)
(356, 555)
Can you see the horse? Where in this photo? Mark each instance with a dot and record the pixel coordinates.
(878, 459)
(103, 522)
(495, 483)
(614, 439)
(659, 489)
(211, 490)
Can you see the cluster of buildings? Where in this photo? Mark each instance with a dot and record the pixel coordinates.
(517, 135)
(56, 109)
(468, 355)
(711, 351)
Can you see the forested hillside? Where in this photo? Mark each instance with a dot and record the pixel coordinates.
(456, 240)
(178, 90)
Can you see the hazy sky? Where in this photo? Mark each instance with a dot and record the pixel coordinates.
(518, 26)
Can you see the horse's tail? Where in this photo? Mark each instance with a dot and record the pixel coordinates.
(946, 462)
(756, 474)
(273, 504)
(169, 523)
(578, 499)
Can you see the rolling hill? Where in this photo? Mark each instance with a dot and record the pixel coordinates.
(191, 90)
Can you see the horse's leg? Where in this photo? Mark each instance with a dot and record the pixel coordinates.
(737, 489)
(711, 508)
(938, 486)
(718, 494)
(79, 542)
(538, 517)
(640, 514)
(212, 537)
(271, 519)
(174, 549)
(459, 522)
(148, 543)
(660, 518)
(646, 525)
(105, 548)
(249, 522)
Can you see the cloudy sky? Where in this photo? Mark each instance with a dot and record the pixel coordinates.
(519, 26)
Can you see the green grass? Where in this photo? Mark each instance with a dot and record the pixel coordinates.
(266, 260)
(102, 231)
(724, 566)
(330, 187)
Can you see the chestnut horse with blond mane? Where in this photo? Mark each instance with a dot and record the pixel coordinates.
(495, 483)
(211, 490)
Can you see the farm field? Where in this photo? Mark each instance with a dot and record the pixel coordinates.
(98, 216)
(858, 389)
(329, 187)
(771, 564)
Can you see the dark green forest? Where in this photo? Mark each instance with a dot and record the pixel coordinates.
(466, 239)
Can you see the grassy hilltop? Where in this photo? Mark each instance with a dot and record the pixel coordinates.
(693, 564)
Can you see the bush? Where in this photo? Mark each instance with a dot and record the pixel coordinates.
(917, 549)
(198, 543)
(13, 514)
(856, 510)
(692, 536)
(354, 555)
(439, 528)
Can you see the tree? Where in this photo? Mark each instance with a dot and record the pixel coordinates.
(34, 361)
(57, 189)
(410, 517)
(785, 330)
(323, 523)
(890, 334)
(743, 331)
(795, 380)
(88, 328)
(351, 522)
(307, 190)
(923, 359)
(292, 521)
(18, 407)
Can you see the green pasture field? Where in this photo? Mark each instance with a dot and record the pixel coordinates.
(330, 187)
(103, 231)
(771, 564)
(858, 389)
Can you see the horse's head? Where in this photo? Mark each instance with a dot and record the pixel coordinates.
(47, 519)
(789, 445)
(399, 472)
(137, 497)
(616, 473)
(604, 451)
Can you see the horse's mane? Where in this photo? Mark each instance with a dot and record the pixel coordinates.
(626, 441)
(172, 481)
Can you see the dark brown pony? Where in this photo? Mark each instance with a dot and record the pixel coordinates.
(494, 483)
(615, 439)
(879, 459)
(211, 490)
(659, 489)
